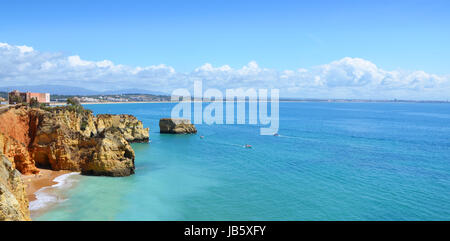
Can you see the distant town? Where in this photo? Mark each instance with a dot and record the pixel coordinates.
(17, 97)
(112, 98)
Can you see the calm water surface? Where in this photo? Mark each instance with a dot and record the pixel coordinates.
(332, 161)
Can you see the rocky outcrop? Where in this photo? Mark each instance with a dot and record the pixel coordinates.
(63, 139)
(112, 156)
(176, 126)
(13, 199)
(131, 128)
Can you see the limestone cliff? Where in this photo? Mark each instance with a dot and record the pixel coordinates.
(63, 139)
(130, 127)
(13, 199)
(176, 126)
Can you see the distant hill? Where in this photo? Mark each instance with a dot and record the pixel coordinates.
(133, 91)
(71, 90)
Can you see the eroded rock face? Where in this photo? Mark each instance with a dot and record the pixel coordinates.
(17, 127)
(113, 156)
(176, 126)
(131, 128)
(67, 140)
(61, 140)
(13, 199)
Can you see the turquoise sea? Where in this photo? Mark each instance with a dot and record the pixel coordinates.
(332, 161)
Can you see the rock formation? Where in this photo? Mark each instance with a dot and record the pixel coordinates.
(61, 138)
(64, 139)
(17, 127)
(176, 126)
(131, 128)
(13, 199)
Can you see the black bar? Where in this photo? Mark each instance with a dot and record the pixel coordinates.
(233, 230)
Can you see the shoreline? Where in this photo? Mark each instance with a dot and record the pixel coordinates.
(45, 178)
(280, 101)
(100, 103)
(44, 190)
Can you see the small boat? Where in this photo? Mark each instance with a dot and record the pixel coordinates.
(276, 134)
(248, 146)
(201, 137)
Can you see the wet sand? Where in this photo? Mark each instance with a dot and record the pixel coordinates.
(43, 179)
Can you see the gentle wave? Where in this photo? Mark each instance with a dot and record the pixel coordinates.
(45, 197)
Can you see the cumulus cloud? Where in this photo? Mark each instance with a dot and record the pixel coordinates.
(344, 78)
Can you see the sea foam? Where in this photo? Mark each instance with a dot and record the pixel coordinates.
(47, 196)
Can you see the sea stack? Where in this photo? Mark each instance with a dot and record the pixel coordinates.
(176, 126)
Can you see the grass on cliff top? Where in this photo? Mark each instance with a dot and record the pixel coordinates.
(78, 109)
(73, 105)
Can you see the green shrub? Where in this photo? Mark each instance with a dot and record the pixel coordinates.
(34, 103)
(73, 101)
(83, 124)
(15, 99)
(73, 105)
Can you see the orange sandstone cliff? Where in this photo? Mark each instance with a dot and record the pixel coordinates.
(64, 139)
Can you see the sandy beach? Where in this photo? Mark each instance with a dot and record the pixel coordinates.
(43, 179)
(106, 102)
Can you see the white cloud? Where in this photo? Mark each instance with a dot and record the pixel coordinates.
(344, 78)
(25, 49)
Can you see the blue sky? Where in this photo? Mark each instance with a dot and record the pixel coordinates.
(412, 35)
(398, 37)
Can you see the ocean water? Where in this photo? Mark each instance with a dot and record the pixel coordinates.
(332, 161)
